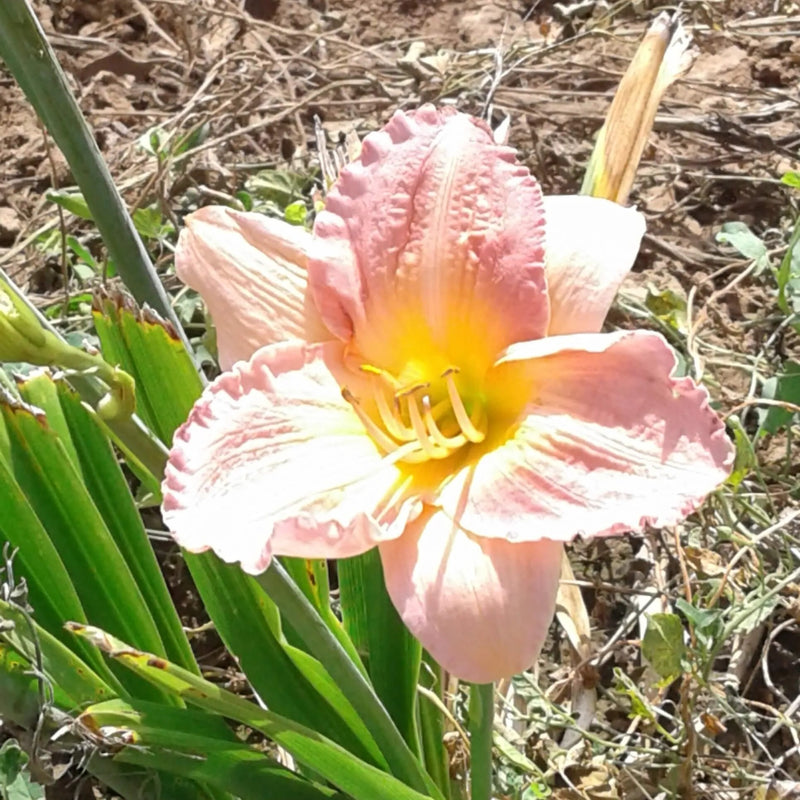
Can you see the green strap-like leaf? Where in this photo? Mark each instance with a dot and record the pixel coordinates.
(19, 691)
(392, 653)
(248, 623)
(55, 490)
(40, 392)
(140, 782)
(70, 685)
(149, 349)
(326, 758)
(311, 577)
(107, 485)
(73, 677)
(51, 591)
(181, 742)
(320, 642)
(36, 557)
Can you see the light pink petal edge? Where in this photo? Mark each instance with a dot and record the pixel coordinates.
(272, 460)
(434, 227)
(251, 272)
(611, 443)
(591, 246)
(481, 607)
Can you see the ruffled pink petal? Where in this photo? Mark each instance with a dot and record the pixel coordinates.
(272, 460)
(433, 239)
(482, 607)
(610, 443)
(591, 246)
(251, 272)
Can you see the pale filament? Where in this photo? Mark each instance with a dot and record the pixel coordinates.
(464, 422)
(429, 415)
(391, 418)
(422, 439)
(432, 450)
(410, 451)
(383, 441)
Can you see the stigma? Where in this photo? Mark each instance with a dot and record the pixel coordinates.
(421, 421)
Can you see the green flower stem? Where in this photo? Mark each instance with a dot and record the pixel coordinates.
(302, 616)
(431, 724)
(29, 57)
(141, 446)
(481, 723)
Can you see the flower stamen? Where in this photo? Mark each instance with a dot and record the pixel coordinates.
(391, 419)
(383, 441)
(429, 415)
(412, 451)
(467, 425)
(409, 426)
(431, 448)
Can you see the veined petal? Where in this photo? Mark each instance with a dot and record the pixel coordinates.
(272, 460)
(433, 241)
(251, 272)
(591, 246)
(609, 443)
(482, 607)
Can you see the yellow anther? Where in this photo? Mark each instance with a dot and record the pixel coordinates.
(383, 374)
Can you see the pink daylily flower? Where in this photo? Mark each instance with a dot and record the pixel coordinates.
(425, 374)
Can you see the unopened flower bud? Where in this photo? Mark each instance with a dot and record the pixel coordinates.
(663, 56)
(22, 338)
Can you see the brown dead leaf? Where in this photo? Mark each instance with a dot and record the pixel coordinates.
(707, 563)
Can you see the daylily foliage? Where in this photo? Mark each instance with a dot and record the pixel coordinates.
(425, 374)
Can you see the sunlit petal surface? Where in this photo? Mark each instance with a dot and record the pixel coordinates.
(480, 606)
(251, 272)
(591, 246)
(433, 246)
(273, 461)
(607, 443)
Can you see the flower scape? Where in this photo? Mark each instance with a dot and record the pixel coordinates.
(425, 373)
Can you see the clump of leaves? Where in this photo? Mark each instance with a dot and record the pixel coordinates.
(15, 780)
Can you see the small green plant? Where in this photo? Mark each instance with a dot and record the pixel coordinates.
(15, 780)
